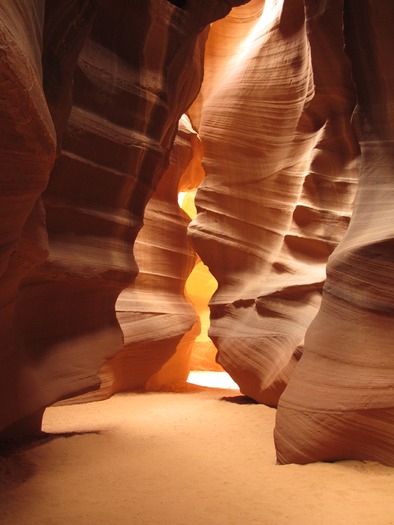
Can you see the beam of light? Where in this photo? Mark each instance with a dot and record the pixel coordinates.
(181, 197)
(270, 12)
(212, 380)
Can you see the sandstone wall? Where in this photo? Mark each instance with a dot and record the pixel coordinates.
(154, 314)
(115, 82)
(274, 118)
(27, 150)
(340, 402)
(296, 107)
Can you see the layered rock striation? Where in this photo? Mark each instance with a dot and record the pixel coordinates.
(339, 403)
(156, 319)
(28, 145)
(296, 106)
(103, 87)
(274, 117)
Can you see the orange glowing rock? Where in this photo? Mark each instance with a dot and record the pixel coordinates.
(157, 321)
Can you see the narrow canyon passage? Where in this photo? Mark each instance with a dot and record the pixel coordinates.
(198, 457)
(278, 116)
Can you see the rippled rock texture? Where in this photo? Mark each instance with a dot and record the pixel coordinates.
(154, 314)
(30, 117)
(101, 87)
(274, 118)
(295, 108)
(340, 402)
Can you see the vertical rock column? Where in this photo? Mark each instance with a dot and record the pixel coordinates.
(340, 402)
(153, 312)
(137, 73)
(27, 153)
(278, 192)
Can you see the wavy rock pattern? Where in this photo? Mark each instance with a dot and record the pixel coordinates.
(340, 402)
(27, 152)
(138, 71)
(153, 313)
(91, 96)
(275, 123)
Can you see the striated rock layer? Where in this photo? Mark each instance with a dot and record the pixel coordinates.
(340, 402)
(114, 118)
(274, 117)
(91, 96)
(153, 313)
(29, 124)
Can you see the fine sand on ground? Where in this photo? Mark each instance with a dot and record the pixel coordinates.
(198, 457)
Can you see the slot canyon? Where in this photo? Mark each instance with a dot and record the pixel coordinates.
(198, 185)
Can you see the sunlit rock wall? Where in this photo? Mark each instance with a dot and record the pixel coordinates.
(274, 118)
(200, 287)
(340, 402)
(201, 284)
(115, 118)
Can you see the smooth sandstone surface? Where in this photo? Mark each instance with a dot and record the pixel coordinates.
(279, 152)
(138, 458)
(153, 313)
(27, 151)
(289, 109)
(107, 100)
(340, 401)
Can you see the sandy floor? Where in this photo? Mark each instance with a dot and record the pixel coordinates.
(201, 457)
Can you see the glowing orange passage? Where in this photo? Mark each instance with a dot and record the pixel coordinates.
(200, 286)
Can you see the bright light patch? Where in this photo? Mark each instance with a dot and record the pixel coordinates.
(212, 380)
(181, 196)
(269, 15)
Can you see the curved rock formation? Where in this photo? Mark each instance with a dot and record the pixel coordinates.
(153, 312)
(279, 185)
(200, 287)
(27, 152)
(340, 402)
(91, 95)
(137, 73)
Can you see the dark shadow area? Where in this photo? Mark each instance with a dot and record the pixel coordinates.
(178, 3)
(239, 400)
(17, 445)
(15, 469)
(16, 466)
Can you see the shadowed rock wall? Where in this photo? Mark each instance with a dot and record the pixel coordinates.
(113, 85)
(340, 402)
(33, 107)
(153, 313)
(297, 104)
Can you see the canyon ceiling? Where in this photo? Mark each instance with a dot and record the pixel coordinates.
(280, 113)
